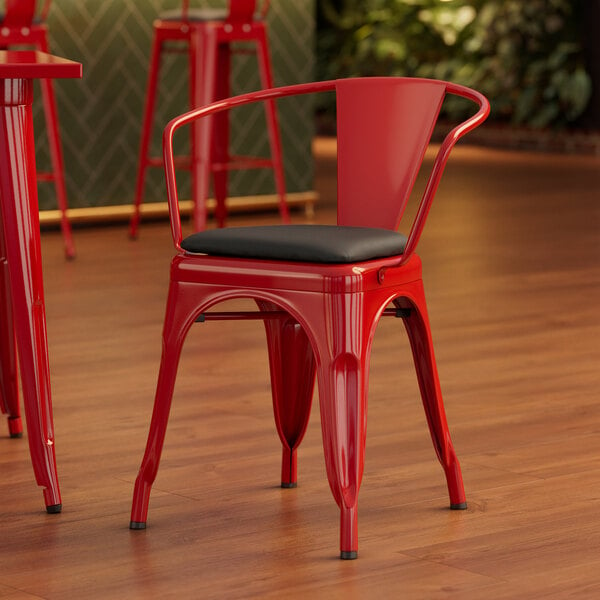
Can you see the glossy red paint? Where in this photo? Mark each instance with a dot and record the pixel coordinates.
(33, 64)
(210, 44)
(21, 27)
(9, 387)
(18, 13)
(22, 312)
(325, 315)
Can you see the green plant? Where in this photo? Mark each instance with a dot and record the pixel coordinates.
(526, 56)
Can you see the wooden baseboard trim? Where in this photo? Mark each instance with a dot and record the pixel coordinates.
(160, 210)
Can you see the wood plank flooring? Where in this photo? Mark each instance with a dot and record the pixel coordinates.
(511, 260)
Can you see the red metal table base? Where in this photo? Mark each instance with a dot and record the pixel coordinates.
(22, 311)
(20, 27)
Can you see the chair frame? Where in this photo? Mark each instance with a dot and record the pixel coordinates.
(19, 27)
(319, 318)
(209, 49)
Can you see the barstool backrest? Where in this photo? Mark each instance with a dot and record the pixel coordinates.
(239, 10)
(21, 13)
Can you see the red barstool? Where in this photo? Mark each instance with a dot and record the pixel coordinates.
(20, 26)
(209, 35)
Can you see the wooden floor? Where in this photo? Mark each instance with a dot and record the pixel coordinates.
(512, 270)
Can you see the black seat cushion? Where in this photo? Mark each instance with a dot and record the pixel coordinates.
(303, 243)
(199, 14)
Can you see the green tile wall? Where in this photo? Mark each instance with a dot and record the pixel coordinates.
(100, 116)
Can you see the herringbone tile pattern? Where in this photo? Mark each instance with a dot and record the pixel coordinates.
(100, 116)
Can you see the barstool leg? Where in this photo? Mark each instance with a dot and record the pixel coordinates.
(56, 155)
(150, 104)
(266, 76)
(203, 58)
(220, 135)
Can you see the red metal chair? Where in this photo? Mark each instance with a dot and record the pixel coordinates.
(322, 289)
(211, 36)
(20, 26)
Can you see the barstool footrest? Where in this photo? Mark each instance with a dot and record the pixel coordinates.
(46, 176)
(235, 163)
(243, 162)
(181, 162)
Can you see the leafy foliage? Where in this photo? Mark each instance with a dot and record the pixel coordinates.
(525, 56)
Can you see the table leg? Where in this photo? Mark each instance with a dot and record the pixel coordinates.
(18, 198)
(9, 388)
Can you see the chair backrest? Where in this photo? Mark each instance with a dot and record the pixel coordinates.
(20, 13)
(240, 11)
(384, 127)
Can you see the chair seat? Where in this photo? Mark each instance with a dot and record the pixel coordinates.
(36, 19)
(302, 243)
(199, 15)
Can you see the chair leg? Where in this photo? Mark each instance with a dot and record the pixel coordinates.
(342, 395)
(177, 323)
(292, 366)
(419, 334)
(56, 155)
(9, 389)
(220, 136)
(146, 136)
(343, 373)
(264, 64)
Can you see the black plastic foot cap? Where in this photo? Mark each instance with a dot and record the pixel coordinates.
(53, 509)
(137, 525)
(289, 486)
(16, 435)
(459, 506)
(352, 555)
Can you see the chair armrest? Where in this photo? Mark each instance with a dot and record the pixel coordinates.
(440, 162)
(207, 111)
(438, 168)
